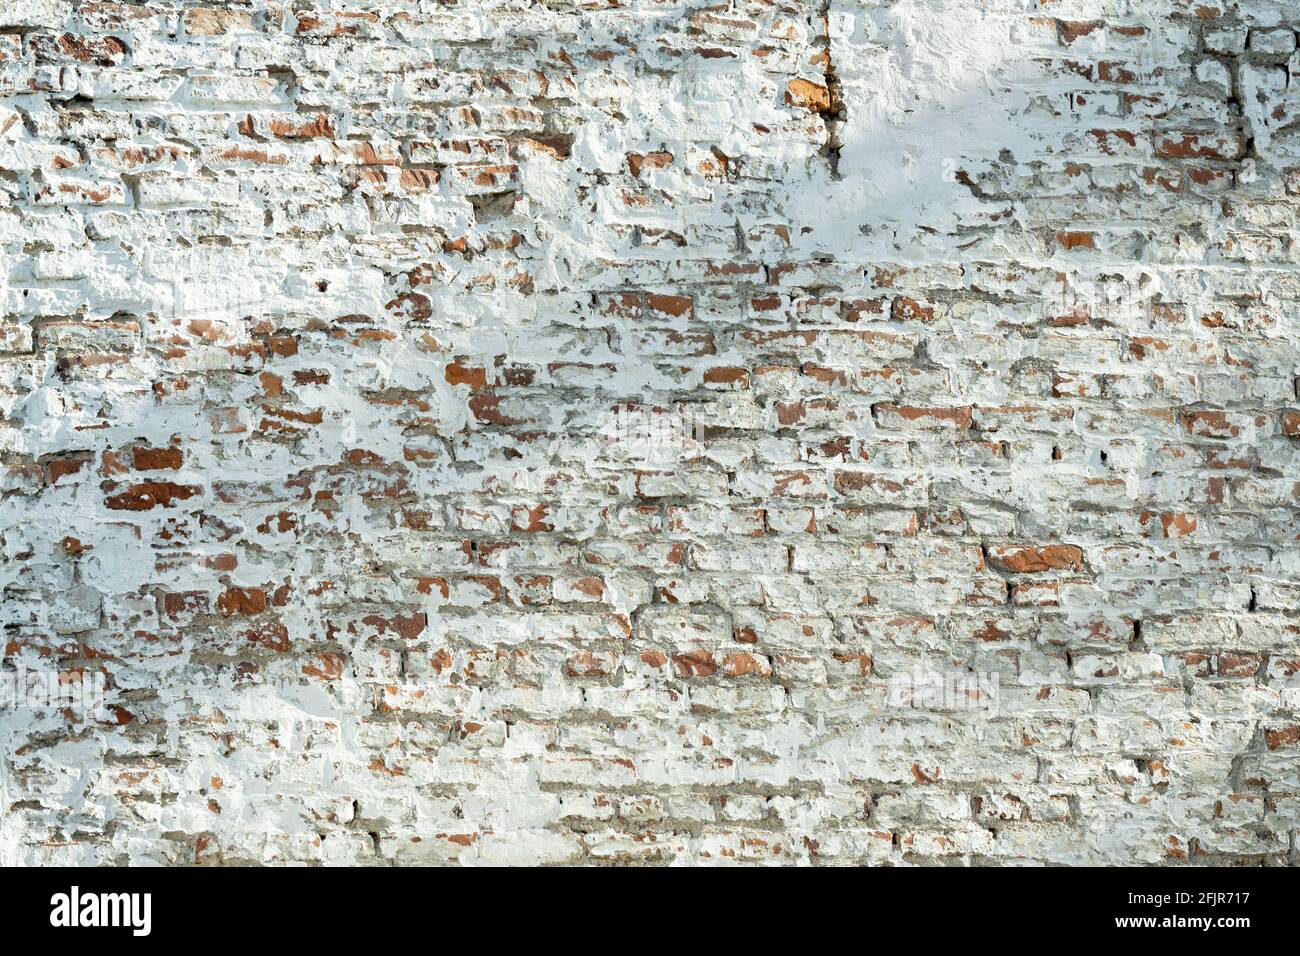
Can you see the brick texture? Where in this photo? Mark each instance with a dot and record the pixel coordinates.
(803, 433)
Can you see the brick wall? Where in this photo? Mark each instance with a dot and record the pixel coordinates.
(801, 432)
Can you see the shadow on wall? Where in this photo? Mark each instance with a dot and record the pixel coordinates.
(958, 119)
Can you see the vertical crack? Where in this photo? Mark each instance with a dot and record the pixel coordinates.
(833, 112)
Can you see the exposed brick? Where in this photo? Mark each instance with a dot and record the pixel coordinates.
(1029, 560)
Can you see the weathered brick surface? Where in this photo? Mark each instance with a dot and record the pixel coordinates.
(511, 432)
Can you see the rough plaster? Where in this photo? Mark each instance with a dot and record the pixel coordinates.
(504, 432)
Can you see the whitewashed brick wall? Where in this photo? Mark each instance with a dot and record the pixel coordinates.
(650, 432)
